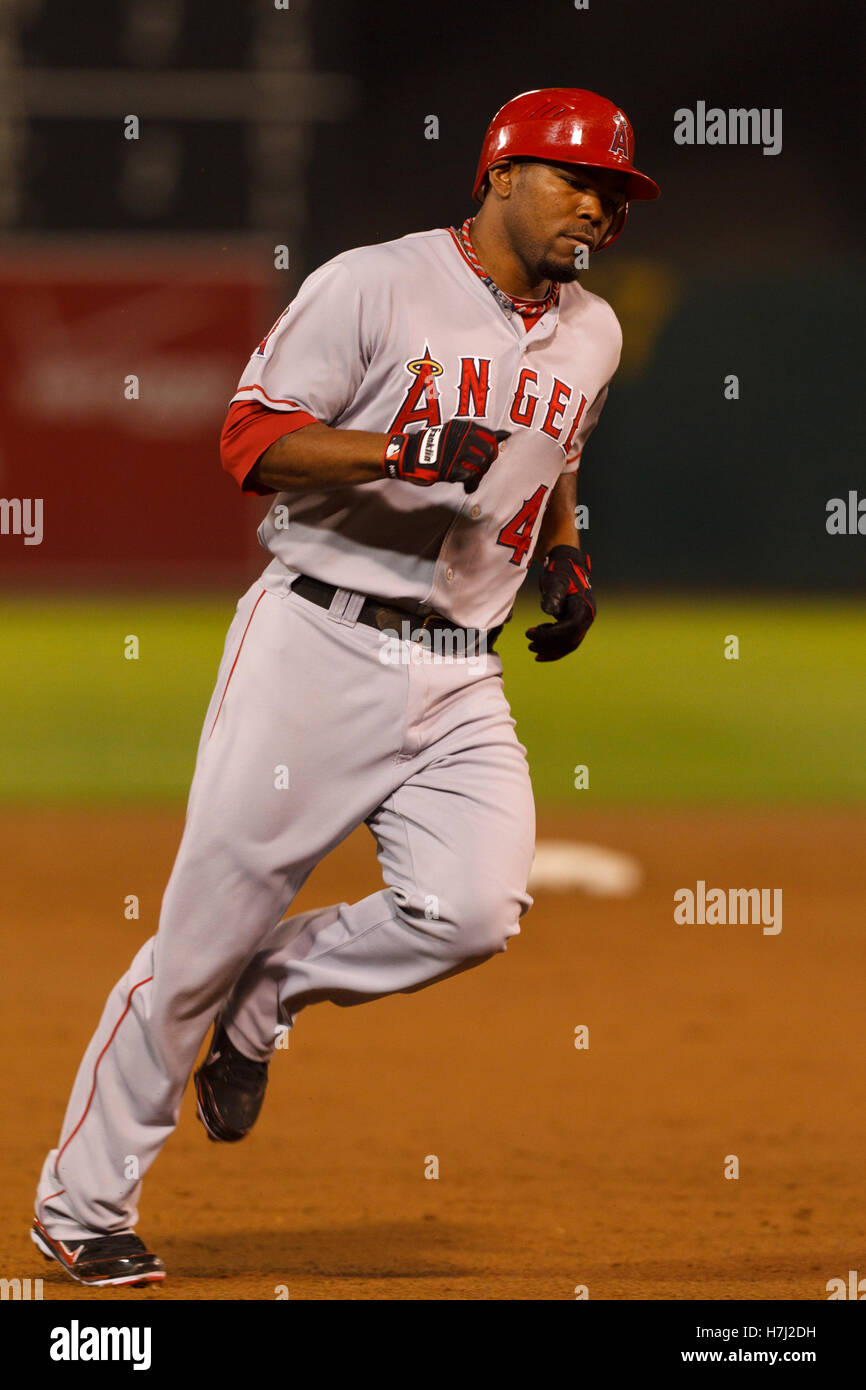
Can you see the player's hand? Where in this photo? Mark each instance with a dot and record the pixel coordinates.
(566, 594)
(457, 452)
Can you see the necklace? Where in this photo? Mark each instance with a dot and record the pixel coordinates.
(509, 304)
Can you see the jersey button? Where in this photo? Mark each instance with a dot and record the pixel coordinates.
(449, 574)
(476, 512)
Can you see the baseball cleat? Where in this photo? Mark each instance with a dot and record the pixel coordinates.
(119, 1259)
(229, 1090)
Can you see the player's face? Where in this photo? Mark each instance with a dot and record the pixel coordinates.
(556, 208)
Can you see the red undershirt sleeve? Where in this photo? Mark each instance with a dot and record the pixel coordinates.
(249, 431)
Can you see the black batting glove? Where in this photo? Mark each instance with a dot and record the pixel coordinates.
(457, 452)
(566, 594)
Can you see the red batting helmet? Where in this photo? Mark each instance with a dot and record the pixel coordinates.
(568, 126)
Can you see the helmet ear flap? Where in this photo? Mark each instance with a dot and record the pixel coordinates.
(615, 227)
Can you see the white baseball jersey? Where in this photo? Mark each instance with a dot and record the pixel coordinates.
(405, 335)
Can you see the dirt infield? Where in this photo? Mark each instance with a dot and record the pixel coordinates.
(558, 1167)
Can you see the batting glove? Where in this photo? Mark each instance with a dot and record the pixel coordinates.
(456, 452)
(566, 594)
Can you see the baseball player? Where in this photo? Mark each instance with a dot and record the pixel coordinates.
(418, 415)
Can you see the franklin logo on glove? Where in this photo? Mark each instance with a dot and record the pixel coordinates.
(457, 452)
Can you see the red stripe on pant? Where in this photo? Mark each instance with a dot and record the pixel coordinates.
(235, 662)
(92, 1089)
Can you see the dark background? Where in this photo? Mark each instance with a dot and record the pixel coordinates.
(749, 264)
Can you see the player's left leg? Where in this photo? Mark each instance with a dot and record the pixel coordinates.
(455, 841)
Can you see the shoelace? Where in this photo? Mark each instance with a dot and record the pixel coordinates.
(240, 1067)
(124, 1244)
(245, 1069)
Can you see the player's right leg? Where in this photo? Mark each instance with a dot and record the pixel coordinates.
(297, 749)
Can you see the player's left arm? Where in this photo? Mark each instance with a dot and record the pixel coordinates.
(558, 524)
(566, 592)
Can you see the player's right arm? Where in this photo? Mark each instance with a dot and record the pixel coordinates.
(281, 434)
(316, 457)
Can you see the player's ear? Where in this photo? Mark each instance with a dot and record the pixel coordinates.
(500, 177)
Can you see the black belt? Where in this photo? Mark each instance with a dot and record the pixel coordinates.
(375, 612)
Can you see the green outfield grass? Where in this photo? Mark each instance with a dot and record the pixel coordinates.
(649, 704)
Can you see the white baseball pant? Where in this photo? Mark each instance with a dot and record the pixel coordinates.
(308, 734)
